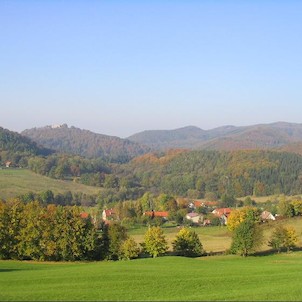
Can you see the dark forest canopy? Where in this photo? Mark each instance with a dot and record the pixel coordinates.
(239, 173)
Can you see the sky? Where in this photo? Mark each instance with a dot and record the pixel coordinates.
(121, 67)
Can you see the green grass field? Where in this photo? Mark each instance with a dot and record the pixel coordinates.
(274, 277)
(14, 182)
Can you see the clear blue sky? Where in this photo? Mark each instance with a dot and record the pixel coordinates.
(121, 67)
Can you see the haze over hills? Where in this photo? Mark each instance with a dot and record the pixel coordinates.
(73, 140)
(280, 136)
(262, 136)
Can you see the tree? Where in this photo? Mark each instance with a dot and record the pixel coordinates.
(285, 208)
(129, 249)
(117, 234)
(240, 215)
(283, 237)
(297, 207)
(247, 237)
(291, 238)
(187, 244)
(155, 243)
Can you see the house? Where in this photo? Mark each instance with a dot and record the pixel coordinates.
(152, 214)
(108, 215)
(266, 215)
(198, 203)
(195, 217)
(223, 214)
(222, 211)
(8, 164)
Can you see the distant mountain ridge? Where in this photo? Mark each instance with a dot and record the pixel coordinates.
(261, 136)
(77, 141)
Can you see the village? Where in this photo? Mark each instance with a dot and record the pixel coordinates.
(199, 214)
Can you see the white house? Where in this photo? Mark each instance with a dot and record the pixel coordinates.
(195, 217)
(266, 215)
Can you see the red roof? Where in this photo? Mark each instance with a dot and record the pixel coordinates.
(198, 203)
(109, 212)
(84, 215)
(221, 211)
(156, 214)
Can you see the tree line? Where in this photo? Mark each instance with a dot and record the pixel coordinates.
(31, 231)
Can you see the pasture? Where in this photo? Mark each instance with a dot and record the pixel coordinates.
(273, 277)
(14, 182)
(214, 239)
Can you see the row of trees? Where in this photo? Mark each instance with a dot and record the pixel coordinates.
(64, 199)
(57, 233)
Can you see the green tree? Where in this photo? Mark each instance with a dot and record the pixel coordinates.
(155, 243)
(285, 208)
(31, 232)
(246, 238)
(117, 234)
(187, 244)
(129, 249)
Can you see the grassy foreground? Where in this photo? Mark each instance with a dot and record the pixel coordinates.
(274, 277)
(14, 182)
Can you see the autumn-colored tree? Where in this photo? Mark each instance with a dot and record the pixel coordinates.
(155, 243)
(283, 237)
(187, 243)
(240, 215)
(297, 207)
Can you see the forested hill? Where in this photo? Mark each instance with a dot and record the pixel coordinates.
(13, 146)
(186, 137)
(264, 136)
(76, 141)
(240, 173)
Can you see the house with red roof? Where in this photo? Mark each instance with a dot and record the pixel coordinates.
(152, 214)
(108, 215)
(223, 214)
(84, 215)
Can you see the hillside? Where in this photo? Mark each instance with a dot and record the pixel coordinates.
(15, 182)
(76, 141)
(264, 136)
(15, 147)
(196, 173)
(187, 137)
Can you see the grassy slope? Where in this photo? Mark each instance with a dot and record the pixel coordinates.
(274, 277)
(14, 182)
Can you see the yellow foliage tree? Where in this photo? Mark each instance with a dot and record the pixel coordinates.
(240, 215)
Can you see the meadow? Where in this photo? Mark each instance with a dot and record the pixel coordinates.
(14, 182)
(274, 277)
